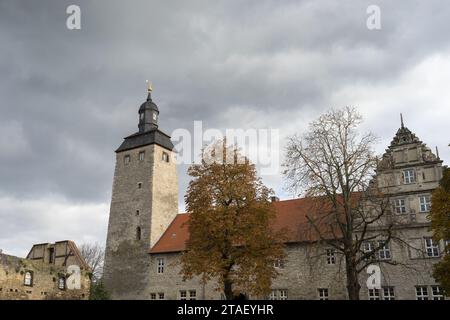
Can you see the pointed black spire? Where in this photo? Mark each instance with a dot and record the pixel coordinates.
(401, 120)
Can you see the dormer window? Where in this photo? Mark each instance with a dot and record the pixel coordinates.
(409, 176)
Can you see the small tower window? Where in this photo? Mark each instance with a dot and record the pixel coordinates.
(141, 155)
(28, 279)
(137, 212)
(139, 185)
(138, 233)
(165, 157)
(126, 159)
(160, 262)
(141, 116)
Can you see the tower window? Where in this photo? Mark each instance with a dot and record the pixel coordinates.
(28, 279)
(165, 157)
(141, 116)
(137, 212)
(323, 293)
(126, 159)
(51, 255)
(141, 155)
(138, 233)
(139, 185)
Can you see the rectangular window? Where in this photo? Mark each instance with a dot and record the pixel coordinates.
(421, 293)
(126, 159)
(384, 252)
(152, 296)
(278, 264)
(273, 295)
(61, 283)
(431, 249)
(165, 157)
(183, 295)
(161, 295)
(323, 293)
(51, 255)
(28, 279)
(409, 176)
(374, 294)
(139, 185)
(331, 256)
(192, 295)
(425, 203)
(436, 293)
(400, 206)
(388, 293)
(160, 265)
(283, 294)
(368, 248)
(141, 155)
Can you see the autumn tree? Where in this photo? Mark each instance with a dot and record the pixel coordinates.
(334, 164)
(440, 224)
(230, 215)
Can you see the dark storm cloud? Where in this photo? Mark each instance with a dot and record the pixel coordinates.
(69, 97)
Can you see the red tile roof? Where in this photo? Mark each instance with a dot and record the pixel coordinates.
(290, 217)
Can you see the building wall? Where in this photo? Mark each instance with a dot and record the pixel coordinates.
(44, 284)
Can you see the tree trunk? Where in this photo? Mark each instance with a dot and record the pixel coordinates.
(353, 286)
(228, 289)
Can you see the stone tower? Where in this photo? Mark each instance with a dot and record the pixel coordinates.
(144, 202)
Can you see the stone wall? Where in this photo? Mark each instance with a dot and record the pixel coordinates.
(44, 281)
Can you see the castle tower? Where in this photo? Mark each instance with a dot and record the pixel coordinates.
(144, 202)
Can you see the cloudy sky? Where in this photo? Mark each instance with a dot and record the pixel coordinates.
(68, 97)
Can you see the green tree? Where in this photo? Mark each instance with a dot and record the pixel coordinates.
(98, 291)
(230, 216)
(440, 224)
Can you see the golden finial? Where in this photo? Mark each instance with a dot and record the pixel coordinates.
(149, 86)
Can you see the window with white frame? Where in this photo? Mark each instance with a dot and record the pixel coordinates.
(141, 155)
(384, 252)
(161, 295)
(183, 294)
(425, 203)
(400, 206)
(160, 263)
(273, 295)
(367, 249)
(278, 294)
(421, 293)
(388, 293)
(431, 248)
(331, 256)
(28, 279)
(437, 293)
(61, 283)
(409, 176)
(374, 294)
(323, 293)
(192, 295)
(283, 293)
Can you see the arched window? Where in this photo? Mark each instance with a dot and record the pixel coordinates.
(61, 283)
(28, 279)
(138, 233)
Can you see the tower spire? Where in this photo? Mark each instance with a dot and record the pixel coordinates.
(149, 90)
(401, 120)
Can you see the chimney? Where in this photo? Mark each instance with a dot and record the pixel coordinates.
(274, 199)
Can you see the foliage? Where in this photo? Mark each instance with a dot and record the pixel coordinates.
(230, 217)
